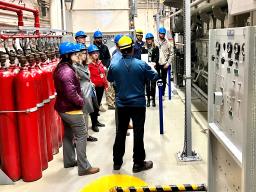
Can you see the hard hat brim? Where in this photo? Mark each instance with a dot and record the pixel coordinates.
(84, 36)
(126, 46)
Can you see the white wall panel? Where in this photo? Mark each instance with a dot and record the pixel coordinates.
(106, 21)
(55, 14)
(145, 20)
(100, 4)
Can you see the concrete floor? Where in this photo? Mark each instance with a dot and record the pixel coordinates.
(161, 149)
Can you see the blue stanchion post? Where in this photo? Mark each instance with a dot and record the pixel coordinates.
(169, 83)
(160, 90)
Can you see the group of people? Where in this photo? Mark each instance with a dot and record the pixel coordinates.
(83, 75)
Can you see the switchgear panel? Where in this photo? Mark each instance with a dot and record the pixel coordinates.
(232, 108)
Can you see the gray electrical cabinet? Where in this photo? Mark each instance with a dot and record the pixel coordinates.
(232, 110)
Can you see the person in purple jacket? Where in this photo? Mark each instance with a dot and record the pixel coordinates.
(69, 104)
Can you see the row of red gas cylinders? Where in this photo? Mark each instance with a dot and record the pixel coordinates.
(30, 129)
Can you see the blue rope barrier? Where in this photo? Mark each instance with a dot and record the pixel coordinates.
(169, 83)
(160, 88)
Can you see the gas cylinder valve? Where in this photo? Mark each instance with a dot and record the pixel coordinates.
(222, 60)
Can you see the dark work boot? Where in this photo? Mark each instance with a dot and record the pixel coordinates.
(95, 128)
(148, 103)
(142, 167)
(153, 103)
(100, 124)
(91, 138)
(117, 167)
(89, 171)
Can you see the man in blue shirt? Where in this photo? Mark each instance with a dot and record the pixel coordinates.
(129, 75)
(138, 44)
(116, 55)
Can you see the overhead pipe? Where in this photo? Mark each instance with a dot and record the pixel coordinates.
(208, 8)
(193, 4)
(205, 8)
(18, 11)
(34, 11)
(23, 36)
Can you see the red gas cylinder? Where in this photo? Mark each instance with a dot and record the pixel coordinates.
(55, 127)
(47, 106)
(9, 142)
(26, 100)
(60, 124)
(60, 131)
(37, 75)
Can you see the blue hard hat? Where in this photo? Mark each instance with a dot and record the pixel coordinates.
(92, 48)
(68, 47)
(97, 34)
(149, 36)
(117, 37)
(80, 34)
(162, 30)
(81, 46)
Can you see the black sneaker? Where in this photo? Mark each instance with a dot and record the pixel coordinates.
(111, 107)
(117, 167)
(100, 124)
(92, 139)
(142, 167)
(95, 128)
(153, 103)
(148, 103)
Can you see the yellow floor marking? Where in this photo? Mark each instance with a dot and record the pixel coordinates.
(105, 183)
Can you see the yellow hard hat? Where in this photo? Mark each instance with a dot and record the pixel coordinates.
(139, 32)
(125, 42)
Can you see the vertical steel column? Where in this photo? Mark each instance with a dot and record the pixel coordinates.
(160, 91)
(158, 18)
(187, 153)
(187, 23)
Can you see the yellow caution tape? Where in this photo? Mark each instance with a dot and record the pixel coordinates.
(166, 188)
(181, 187)
(194, 187)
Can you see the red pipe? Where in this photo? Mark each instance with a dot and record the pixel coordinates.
(34, 11)
(22, 36)
(18, 11)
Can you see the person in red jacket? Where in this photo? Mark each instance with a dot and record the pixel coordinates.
(98, 78)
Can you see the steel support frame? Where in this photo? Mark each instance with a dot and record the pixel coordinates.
(187, 154)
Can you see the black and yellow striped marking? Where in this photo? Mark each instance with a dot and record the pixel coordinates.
(162, 188)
